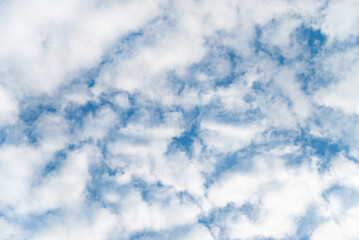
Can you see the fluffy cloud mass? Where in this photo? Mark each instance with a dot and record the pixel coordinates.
(192, 119)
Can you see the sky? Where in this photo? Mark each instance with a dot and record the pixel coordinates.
(181, 120)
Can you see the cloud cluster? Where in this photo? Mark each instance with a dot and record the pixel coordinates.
(187, 119)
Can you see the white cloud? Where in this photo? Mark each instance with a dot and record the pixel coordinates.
(8, 107)
(343, 227)
(7, 230)
(100, 225)
(122, 101)
(64, 188)
(282, 194)
(176, 88)
(301, 104)
(17, 172)
(139, 215)
(42, 50)
(341, 20)
(198, 232)
(342, 95)
(231, 137)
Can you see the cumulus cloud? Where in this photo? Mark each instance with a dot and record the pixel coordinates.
(179, 120)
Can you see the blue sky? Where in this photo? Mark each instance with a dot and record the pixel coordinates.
(159, 119)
